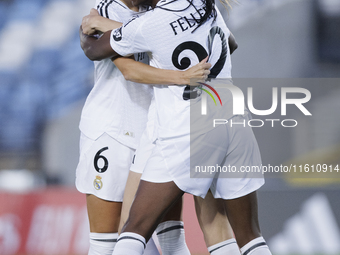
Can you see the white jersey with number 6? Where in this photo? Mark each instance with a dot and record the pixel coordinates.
(116, 106)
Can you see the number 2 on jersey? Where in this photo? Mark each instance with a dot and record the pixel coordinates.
(201, 53)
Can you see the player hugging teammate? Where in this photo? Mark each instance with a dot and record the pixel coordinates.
(170, 30)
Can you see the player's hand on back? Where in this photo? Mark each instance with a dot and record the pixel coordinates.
(197, 73)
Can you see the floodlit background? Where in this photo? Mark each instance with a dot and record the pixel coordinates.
(45, 78)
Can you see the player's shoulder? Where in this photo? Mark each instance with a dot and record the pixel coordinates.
(142, 20)
(114, 9)
(155, 17)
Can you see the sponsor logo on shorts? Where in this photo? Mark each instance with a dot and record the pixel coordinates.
(97, 183)
(117, 34)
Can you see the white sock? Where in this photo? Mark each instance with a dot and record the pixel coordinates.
(256, 246)
(171, 238)
(229, 247)
(129, 244)
(151, 248)
(102, 243)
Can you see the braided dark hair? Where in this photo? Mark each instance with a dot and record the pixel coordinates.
(210, 11)
(208, 6)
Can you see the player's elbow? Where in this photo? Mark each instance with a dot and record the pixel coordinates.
(87, 46)
(233, 47)
(92, 54)
(129, 74)
(90, 51)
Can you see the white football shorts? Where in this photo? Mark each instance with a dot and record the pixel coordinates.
(142, 154)
(103, 167)
(224, 147)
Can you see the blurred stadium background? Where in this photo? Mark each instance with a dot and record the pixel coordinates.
(45, 78)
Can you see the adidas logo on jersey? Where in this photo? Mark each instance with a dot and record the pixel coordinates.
(128, 133)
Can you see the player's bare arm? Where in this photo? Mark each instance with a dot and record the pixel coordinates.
(96, 48)
(143, 73)
(99, 48)
(140, 72)
(232, 43)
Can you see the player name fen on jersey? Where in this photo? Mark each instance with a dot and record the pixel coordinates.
(186, 22)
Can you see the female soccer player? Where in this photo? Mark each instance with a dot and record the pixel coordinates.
(178, 29)
(112, 121)
(211, 214)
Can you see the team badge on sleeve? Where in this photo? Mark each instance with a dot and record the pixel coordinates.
(117, 34)
(97, 183)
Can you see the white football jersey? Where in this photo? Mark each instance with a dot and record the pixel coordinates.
(116, 106)
(167, 33)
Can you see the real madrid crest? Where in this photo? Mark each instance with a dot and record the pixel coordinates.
(97, 183)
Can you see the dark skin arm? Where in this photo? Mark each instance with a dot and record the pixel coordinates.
(232, 43)
(100, 48)
(97, 48)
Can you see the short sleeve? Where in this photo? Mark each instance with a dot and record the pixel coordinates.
(129, 38)
(97, 4)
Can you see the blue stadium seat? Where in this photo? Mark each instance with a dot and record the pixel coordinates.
(50, 81)
(22, 116)
(3, 13)
(25, 10)
(8, 81)
(43, 64)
